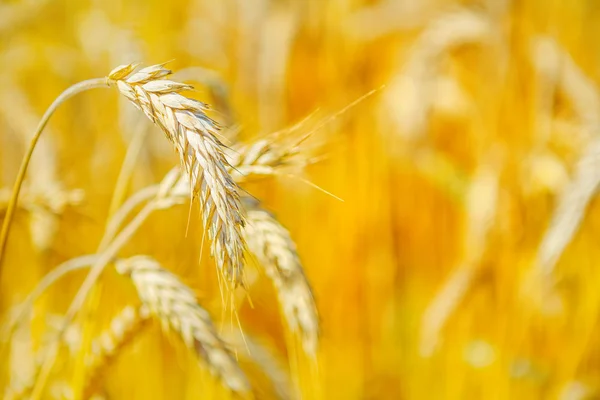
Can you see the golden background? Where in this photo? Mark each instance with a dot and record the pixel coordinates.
(429, 276)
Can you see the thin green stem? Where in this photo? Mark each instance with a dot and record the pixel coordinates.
(67, 94)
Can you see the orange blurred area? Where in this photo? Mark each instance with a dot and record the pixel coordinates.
(445, 212)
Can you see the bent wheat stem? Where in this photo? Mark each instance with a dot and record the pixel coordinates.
(10, 211)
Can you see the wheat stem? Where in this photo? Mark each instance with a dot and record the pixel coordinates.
(70, 92)
(129, 163)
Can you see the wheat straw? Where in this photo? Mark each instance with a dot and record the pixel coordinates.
(481, 208)
(175, 306)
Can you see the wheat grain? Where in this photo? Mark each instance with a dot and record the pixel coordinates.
(276, 252)
(194, 135)
(175, 306)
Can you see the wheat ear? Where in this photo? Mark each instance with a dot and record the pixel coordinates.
(276, 252)
(570, 210)
(123, 328)
(193, 133)
(174, 305)
(410, 94)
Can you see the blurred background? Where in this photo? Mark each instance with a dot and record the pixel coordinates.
(461, 136)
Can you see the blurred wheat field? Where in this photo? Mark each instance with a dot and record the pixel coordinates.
(441, 201)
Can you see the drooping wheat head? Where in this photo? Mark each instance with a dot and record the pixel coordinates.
(276, 252)
(174, 304)
(194, 135)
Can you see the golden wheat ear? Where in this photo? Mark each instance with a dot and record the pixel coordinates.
(123, 328)
(276, 252)
(194, 136)
(174, 304)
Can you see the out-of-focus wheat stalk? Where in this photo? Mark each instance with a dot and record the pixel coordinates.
(481, 208)
(175, 306)
(276, 252)
(194, 135)
(44, 197)
(64, 96)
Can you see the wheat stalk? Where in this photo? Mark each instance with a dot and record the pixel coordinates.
(481, 204)
(194, 135)
(174, 305)
(12, 204)
(276, 252)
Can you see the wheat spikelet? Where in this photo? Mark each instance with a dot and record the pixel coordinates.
(275, 250)
(263, 158)
(111, 341)
(186, 125)
(175, 306)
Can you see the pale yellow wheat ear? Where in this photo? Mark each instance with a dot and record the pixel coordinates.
(264, 158)
(570, 209)
(109, 343)
(559, 72)
(174, 304)
(409, 96)
(193, 133)
(276, 252)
